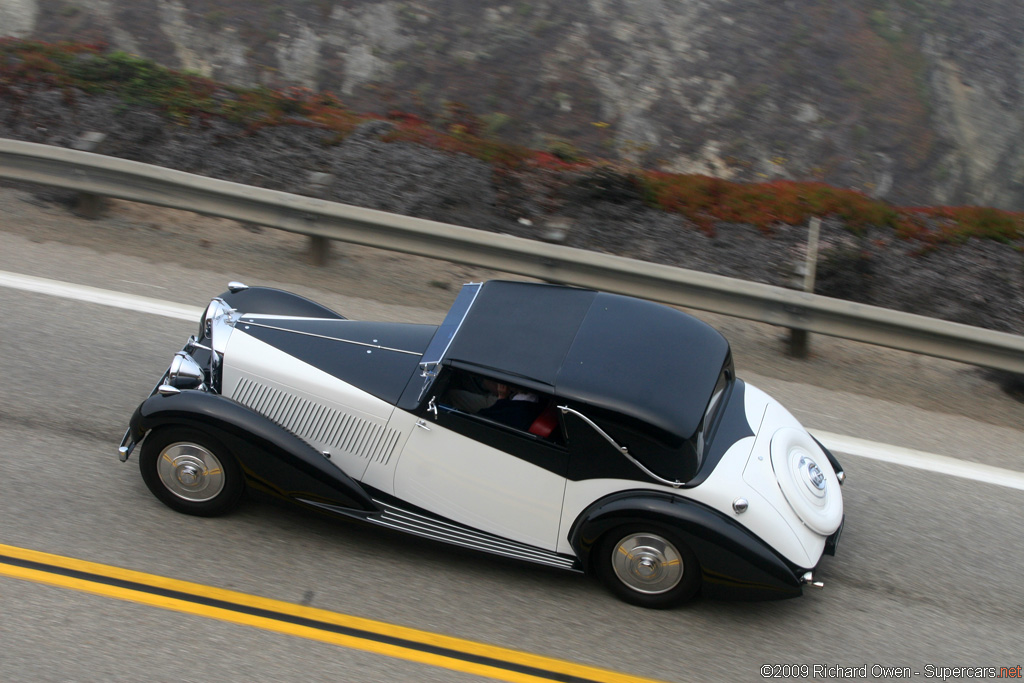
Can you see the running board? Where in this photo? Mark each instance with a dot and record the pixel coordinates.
(418, 524)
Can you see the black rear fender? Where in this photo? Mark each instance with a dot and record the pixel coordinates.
(836, 467)
(272, 458)
(734, 563)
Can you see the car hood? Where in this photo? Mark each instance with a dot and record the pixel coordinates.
(377, 357)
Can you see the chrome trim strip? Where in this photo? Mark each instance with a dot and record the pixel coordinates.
(396, 518)
(249, 321)
(411, 519)
(551, 561)
(338, 509)
(428, 527)
(621, 449)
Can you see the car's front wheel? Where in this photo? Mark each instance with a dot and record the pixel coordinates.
(191, 472)
(648, 566)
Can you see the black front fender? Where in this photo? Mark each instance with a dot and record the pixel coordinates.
(272, 458)
(734, 562)
(270, 301)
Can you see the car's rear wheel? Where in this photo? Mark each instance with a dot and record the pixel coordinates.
(648, 566)
(191, 472)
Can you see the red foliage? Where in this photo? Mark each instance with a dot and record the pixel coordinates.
(703, 200)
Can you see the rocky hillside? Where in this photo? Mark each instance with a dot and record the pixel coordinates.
(964, 264)
(915, 101)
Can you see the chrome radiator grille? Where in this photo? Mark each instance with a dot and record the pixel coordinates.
(317, 424)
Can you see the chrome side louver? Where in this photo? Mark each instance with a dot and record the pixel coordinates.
(317, 424)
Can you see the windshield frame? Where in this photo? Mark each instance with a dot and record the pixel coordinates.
(430, 361)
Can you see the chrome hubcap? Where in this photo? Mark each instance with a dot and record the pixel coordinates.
(812, 476)
(190, 472)
(188, 475)
(647, 563)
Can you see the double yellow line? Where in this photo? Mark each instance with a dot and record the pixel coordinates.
(423, 647)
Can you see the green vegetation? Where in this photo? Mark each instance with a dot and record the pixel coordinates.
(93, 69)
(215, 18)
(700, 199)
(564, 150)
(494, 122)
(880, 24)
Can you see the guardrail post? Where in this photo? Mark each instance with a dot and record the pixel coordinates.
(556, 230)
(803, 278)
(87, 204)
(319, 247)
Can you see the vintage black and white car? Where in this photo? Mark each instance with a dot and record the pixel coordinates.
(578, 429)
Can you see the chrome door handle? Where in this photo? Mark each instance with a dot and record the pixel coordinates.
(422, 425)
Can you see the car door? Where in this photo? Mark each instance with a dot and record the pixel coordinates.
(482, 474)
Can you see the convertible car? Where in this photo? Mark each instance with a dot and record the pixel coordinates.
(577, 429)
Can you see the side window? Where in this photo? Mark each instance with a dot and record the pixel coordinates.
(467, 393)
(596, 435)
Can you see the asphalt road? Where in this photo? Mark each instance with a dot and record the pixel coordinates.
(928, 569)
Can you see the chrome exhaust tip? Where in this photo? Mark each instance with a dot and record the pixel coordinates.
(808, 580)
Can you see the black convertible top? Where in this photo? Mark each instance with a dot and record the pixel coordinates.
(638, 358)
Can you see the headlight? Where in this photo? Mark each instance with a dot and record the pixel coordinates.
(185, 372)
(807, 480)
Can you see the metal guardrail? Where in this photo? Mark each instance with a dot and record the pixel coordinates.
(122, 179)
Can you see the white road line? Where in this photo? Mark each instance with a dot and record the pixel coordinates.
(94, 295)
(907, 457)
(849, 445)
